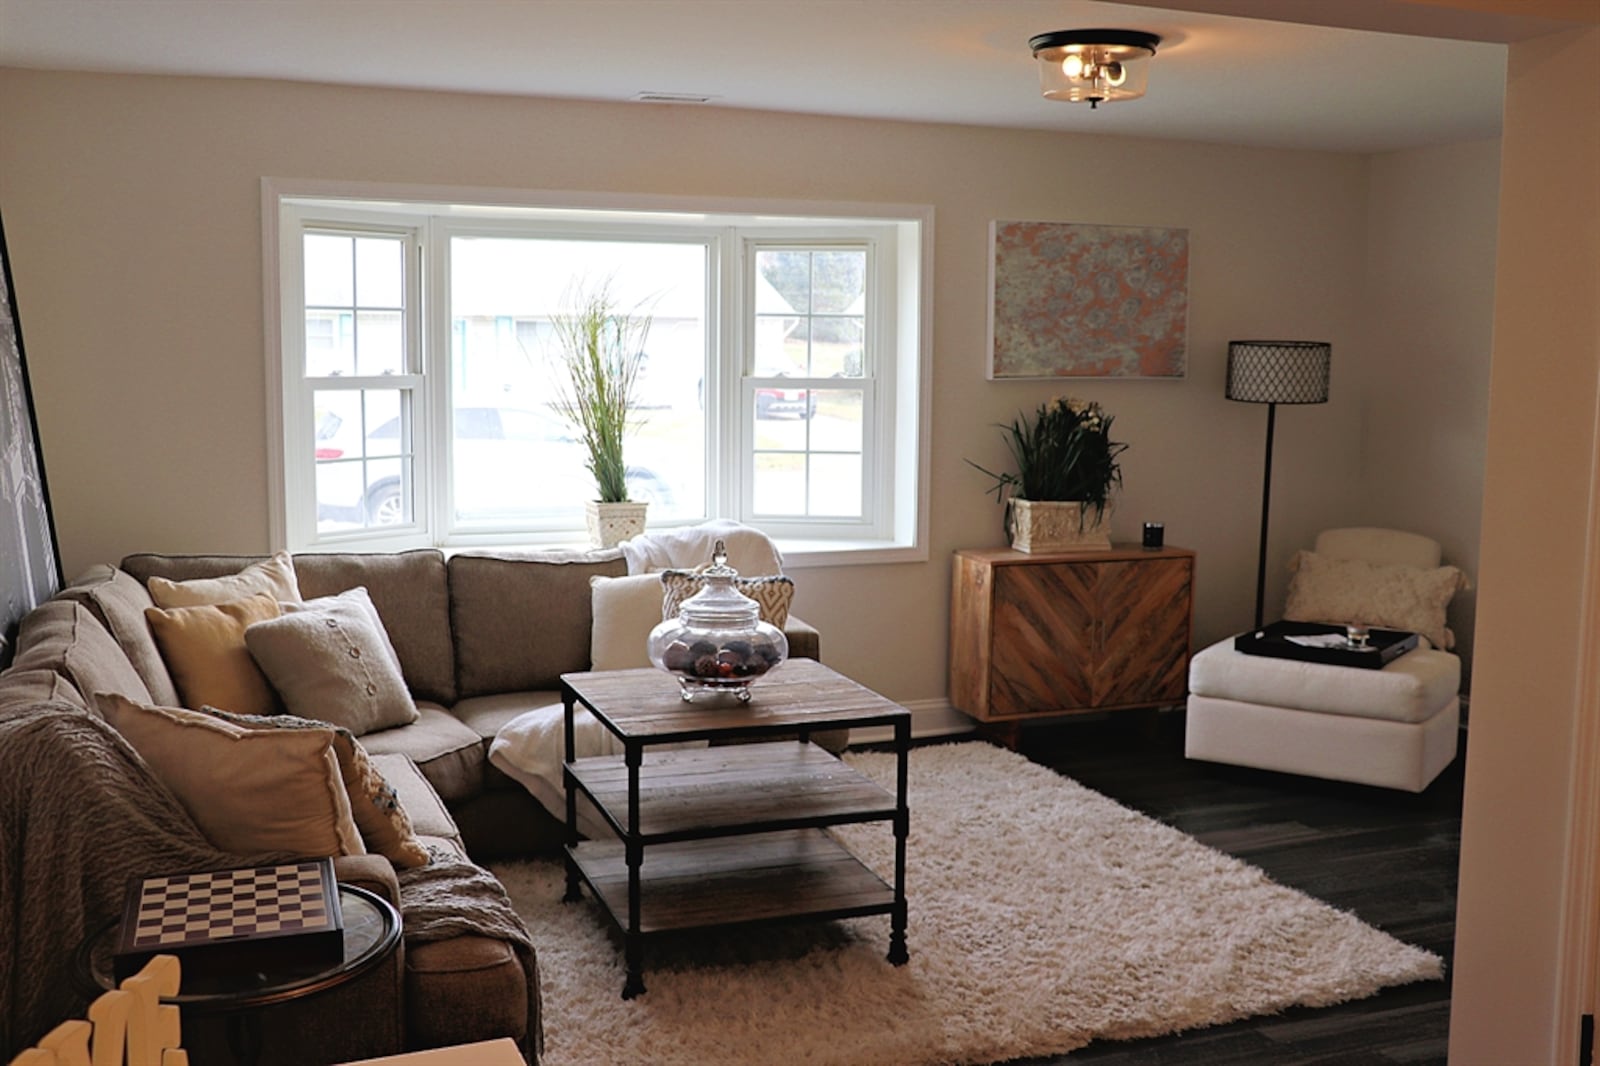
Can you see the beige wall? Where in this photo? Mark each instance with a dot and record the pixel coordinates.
(1518, 864)
(1424, 378)
(132, 206)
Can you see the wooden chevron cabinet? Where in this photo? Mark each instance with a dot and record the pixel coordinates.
(1039, 635)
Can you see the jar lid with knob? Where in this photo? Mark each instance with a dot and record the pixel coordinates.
(718, 641)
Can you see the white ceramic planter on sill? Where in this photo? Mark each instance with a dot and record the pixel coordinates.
(612, 523)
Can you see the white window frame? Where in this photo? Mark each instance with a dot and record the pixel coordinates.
(894, 526)
(296, 499)
(876, 381)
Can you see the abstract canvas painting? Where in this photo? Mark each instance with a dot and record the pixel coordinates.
(30, 568)
(1076, 300)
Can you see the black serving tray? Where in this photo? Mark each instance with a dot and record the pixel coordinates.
(1384, 646)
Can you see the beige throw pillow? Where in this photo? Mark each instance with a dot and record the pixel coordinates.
(203, 647)
(385, 827)
(249, 791)
(773, 593)
(331, 660)
(625, 609)
(274, 576)
(1391, 596)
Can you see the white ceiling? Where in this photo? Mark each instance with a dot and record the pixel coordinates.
(1216, 78)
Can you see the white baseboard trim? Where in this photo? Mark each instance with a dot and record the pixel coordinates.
(929, 718)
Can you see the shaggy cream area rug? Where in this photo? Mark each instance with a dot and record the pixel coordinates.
(1042, 916)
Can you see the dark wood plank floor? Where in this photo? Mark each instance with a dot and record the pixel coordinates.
(1389, 857)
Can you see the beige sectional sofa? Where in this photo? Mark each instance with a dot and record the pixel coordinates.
(480, 638)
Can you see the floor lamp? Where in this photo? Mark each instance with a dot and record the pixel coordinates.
(1274, 372)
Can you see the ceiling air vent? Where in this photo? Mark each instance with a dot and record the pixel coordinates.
(673, 98)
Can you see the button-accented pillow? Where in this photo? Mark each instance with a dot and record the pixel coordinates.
(203, 647)
(249, 791)
(330, 660)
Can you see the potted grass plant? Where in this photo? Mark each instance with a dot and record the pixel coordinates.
(600, 348)
(1059, 498)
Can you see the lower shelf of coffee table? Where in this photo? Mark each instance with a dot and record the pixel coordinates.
(695, 884)
(733, 789)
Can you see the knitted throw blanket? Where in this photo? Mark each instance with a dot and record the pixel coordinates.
(81, 813)
(450, 897)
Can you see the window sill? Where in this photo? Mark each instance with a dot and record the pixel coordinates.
(798, 554)
(803, 554)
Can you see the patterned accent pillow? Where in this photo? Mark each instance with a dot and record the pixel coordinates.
(773, 593)
(1388, 595)
(385, 827)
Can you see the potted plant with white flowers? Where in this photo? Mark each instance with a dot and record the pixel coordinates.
(1060, 497)
(600, 353)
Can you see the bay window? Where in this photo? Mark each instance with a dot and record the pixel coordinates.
(782, 379)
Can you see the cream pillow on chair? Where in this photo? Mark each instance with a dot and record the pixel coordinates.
(249, 791)
(1388, 595)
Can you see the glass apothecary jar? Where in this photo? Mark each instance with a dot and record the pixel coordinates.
(718, 642)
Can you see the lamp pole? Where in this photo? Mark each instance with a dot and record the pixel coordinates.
(1266, 503)
(1274, 372)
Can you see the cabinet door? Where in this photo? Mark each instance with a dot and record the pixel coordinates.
(1143, 640)
(1043, 638)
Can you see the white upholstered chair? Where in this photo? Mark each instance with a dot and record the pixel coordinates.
(1395, 727)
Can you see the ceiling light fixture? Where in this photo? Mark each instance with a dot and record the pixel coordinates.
(1094, 65)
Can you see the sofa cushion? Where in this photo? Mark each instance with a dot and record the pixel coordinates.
(1412, 688)
(118, 602)
(487, 715)
(329, 659)
(449, 754)
(522, 620)
(804, 640)
(21, 689)
(376, 805)
(625, 610)
(63, 636)
(204, 650)
(409, 590)
(249, 791)
(460, 989)
(274, 577)
(429, 817)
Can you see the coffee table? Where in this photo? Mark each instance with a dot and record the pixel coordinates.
(732, 834)
(371, 931)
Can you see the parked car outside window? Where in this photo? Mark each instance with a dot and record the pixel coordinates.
(509, 463)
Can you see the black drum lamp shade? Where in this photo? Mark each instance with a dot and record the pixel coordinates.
(1274, 372)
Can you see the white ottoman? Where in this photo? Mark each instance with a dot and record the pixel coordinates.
(1394, 727)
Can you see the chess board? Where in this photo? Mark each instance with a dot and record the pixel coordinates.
(234, 921)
